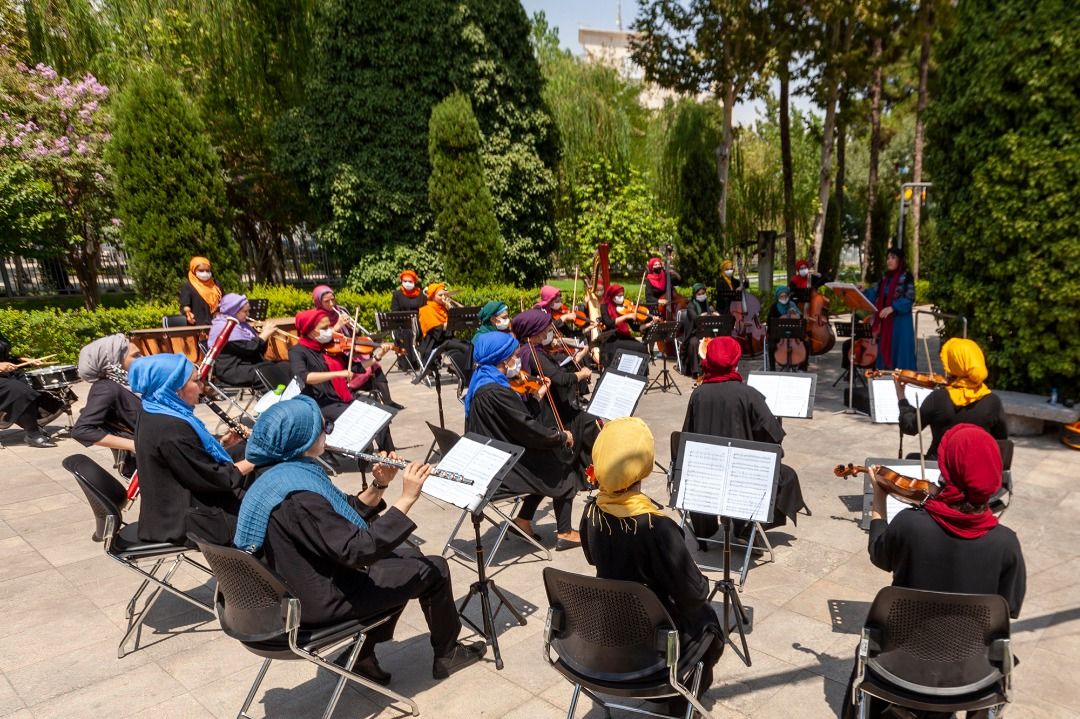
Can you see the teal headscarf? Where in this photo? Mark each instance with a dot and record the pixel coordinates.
(784, 308)
(487, 315)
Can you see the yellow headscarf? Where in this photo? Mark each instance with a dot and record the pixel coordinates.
(963, 360)
(622, 456)
(207, 289)
(726, 265)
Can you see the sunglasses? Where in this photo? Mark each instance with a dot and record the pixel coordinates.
(328, 426)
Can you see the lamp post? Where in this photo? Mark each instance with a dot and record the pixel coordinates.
(903, 187)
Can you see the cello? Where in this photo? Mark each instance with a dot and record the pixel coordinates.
(747, 313)
(790, 352)
(819, 331)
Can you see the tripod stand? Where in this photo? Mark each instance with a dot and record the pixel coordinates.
(484, 588)
(660, 333)
(731, 597)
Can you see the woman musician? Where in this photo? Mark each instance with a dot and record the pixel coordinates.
(200, 293)
(408, 297)
(111, 412)
(533, 328)
(617, 320)
(697, 306)
(785, 306)
(21, 404)
(434, 317)
(242, 358)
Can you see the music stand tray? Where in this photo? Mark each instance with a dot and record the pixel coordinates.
(724, 298)
(714, 325)
(625, 358)
(463, 318)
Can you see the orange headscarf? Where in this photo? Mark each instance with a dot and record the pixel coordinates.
(207, 289)
(433, 313)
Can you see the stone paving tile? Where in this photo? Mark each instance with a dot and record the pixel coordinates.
(814, 695)
(208, 661)
(71, 671)
(10, 702)
(184, 706)
(18, 559)
(134, 690)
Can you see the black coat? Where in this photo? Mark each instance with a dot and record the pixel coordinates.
(238, 361)
(110, 408)
(190, 297)
(940, 414)
(400, 303)
(302, 361)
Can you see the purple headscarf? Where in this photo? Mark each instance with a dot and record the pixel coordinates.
(317, 297)
(528, 324)
(229, 306)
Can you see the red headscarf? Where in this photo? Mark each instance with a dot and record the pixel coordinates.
(798, 280)
(410, 275)
(970, 463)
(613, 311)
(658, 281)
(721, 363)
(308, 320)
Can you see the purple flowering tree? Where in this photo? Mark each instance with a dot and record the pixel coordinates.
(58, 128)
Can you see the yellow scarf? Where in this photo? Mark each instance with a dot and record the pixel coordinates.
(726, 265)
(622, 456)
(207, 289)
(964, 362)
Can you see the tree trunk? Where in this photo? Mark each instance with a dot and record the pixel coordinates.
(841, 171)
(825, 174)
(875, 141)
(926, 22)
(723, 159)
(84, 258)
(785, 161)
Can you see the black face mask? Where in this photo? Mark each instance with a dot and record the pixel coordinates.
(657, 270)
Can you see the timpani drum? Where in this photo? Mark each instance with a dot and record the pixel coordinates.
(174, 340)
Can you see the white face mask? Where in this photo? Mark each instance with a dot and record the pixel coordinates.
(204, 275)
(701, 297)
(618, 299)
(324, 336)
(548, 337)
(514, 369)
(729, 273)
(407, 285)
(502, 323)
(804, 272)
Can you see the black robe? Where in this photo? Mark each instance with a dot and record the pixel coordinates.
(20, 401)
(190, 297)
(500, 413)
(690, 340)
(239, 359)
(182, 488)
(110, 408)
(614, 341)
(405, 338)
(738, 411)
(940, 414)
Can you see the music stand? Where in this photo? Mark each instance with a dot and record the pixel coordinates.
(801, 295)
(733, 494)
(724, 298)
(855, 300)
(663, 332)
(403, 326)
(431, 366)
(463, 318)
(786, 328)
(714, 325)
(258, 309)
(631, 362)
(484, 586)
(863, 331)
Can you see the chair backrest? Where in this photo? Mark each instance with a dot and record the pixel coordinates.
(1006, 447)
(174, 321)
(937, 643)
(103, 491)
(249, 597)
(609, 629)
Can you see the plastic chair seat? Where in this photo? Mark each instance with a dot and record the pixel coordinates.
(310, 638)
(645, 688)
(875, 686)
(127, 545)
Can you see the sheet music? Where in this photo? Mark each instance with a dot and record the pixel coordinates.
(291, 390)
(885, 407)
(357, 426)
(616, 396)
(894, 505)
(786, 395)
(728, 481)
(473, 460)
(629, 363)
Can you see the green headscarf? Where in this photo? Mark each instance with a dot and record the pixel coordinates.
(487, 314)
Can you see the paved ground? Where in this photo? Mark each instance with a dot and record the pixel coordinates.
(63, 602)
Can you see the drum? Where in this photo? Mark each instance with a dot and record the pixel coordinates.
(277, 346)
(48, 378)
(176, 340)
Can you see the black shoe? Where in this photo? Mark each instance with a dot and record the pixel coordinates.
(369, 667)
(462, 656)
(38, 439)
(561, 545)
(396, 405)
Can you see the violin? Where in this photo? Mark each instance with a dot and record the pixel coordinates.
(907, 376)
(640, 313)
(525, 384)
(907, 489)
(579, 319)
(342, 344)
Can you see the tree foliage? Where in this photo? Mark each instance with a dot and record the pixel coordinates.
(1004, 154)
(170, 195)
(465, 230)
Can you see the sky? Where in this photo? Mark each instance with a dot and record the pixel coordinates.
(569, 15)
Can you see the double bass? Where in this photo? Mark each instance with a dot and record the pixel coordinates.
(820, 336)
(747, 313)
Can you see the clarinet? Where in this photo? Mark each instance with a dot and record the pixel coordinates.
(234, 425)
(402, 464)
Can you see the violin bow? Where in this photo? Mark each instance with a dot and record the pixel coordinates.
(641, 287)
(352, 343)
(573, 302)
(562, 340)
(547, 394)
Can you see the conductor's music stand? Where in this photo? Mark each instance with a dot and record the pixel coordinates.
(403, 326)
(856, 301)
(863, 331)
(786, 328)
(663, 332)
(463, 318)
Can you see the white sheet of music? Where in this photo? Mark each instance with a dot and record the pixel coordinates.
(616, 396)
(727, 481)
(894, 505)
(291, 390)
(357, 426)
(472, 460)
(628, 363)
(786, 396)
(886, 408)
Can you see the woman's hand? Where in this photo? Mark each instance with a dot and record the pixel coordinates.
(885, 312)
(7, 367)
(384, 473)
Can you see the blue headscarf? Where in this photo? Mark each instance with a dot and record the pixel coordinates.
(157, 379)
(489, 350)
(282, 434)
(783, 308)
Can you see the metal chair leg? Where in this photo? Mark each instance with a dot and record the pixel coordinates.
(573, 701)
(254, 688)
(142, 588)
(134, 624)
(350, 662)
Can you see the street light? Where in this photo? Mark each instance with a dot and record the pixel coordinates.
(903, 188)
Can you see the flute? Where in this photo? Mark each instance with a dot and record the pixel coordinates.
(402, 464)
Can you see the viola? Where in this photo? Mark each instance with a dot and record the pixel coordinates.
(908, 376)
(865, 350)
(640, 313)
(579, 319)
(525, 384)
(908, 489)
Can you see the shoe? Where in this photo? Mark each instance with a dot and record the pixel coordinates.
(526, 531)
(396, 405)
(561, 545)
(38, 439)
(369, 667)
(462, 656)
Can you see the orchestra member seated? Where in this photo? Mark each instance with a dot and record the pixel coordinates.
(627, 536)
(343, 558)
(656, 282)
(407, 298)
(696, 307)
(805, 277)
(494, 410)
(894, 327)
(21, 404)
(244, 354)
(550, 301)
(434, 316)
(965, 400)
(785, 306)
(368, 375)
(494, 317)
(111, 412)
(728, 281)
(200, 294)
(533, 329)
(617, 324)
(188, 482)
(722, 406)
(953, 543)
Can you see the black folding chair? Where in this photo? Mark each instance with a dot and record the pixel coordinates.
(106, 496)
(934, 652)
(1003, 497)
(616, 638)
(255, 608)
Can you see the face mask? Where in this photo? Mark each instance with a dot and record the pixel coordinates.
(701, 298)
(325, 336)
(784, 299)
(548, 337)
(729, 273)
(804, 272)
(406, 285)
(204, 275)
(514, 369)
(618, 299)
(502, 324)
